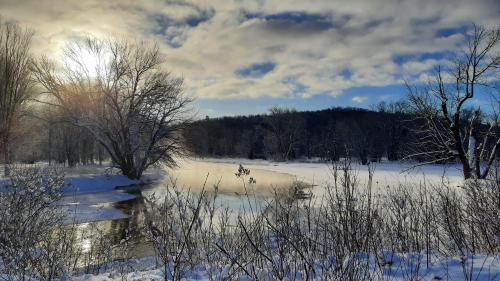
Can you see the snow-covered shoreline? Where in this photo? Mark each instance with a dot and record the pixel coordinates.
(320, 172)
(90, 197)
(386, 173)
(93, 178)
(484, 268)
(90, 191)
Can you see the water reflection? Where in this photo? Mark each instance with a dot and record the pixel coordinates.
(231, 197)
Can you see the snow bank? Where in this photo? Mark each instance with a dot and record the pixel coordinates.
(89, 192)
(398, 267)
(89, 197)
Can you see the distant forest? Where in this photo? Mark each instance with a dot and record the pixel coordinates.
(390, 131)
(283, 134)
(385, 131)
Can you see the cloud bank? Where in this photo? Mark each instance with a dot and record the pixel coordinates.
(288, 48)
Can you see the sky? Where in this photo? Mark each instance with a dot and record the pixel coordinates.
(245, 56)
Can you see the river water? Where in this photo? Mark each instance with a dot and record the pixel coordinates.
(190, 177)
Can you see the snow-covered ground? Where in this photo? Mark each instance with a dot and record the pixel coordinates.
(89, 192)
(402, 267)
(89, 196)
(386, 173)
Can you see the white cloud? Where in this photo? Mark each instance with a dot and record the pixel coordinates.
(215, 38)
(359, 99)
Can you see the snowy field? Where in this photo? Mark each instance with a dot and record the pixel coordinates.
(193, 172)
(90, 193)
(486, 269)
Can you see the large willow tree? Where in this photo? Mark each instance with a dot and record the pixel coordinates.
(121, 93)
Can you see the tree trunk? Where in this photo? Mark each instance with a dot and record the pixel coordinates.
(99, 155)
(467, 171)
(130, 171)
(6, 157)
(50, 144)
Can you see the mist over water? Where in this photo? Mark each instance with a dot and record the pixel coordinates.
(192, 175)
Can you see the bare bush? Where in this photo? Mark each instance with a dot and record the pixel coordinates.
(173, 226)
(33, 241)
(353, 235)
(349, 234)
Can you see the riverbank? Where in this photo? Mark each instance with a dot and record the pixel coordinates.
(403, 266)
(93, 192)
(90, 191)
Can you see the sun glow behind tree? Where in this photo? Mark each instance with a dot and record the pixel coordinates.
(122, 94)
(84, 59)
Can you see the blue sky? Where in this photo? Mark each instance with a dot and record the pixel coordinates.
(367, 96)
(244, 56)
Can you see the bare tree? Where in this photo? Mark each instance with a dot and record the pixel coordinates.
(15, 80)
(27, 217)
(121, 93)
(450, 129)
(285, 126)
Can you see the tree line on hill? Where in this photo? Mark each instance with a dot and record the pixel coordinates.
(286, 134)
(283, 134)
